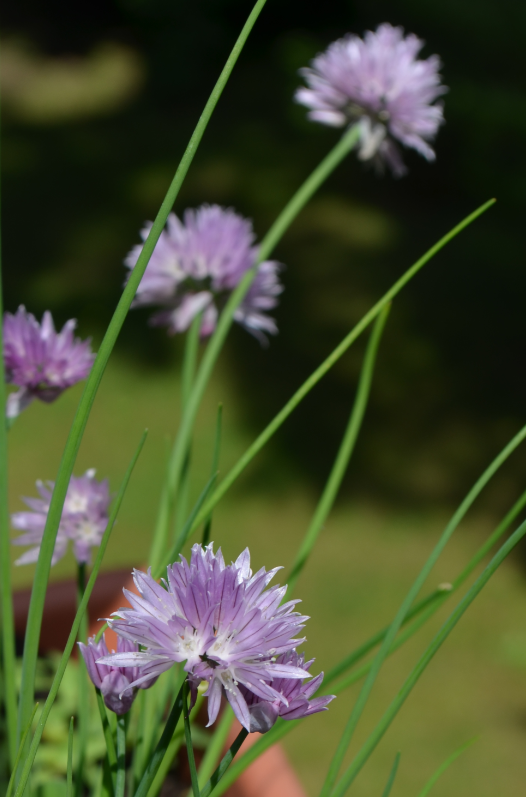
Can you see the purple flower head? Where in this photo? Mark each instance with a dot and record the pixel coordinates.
(113, 682)
(195, 266)
(221, 620)
(41, 361)
(379, 83)
(264, 713)
(84, 518)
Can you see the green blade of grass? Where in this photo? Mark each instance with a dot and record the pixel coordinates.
(83, 685)
(111, 753)
(417, 671)
(120, 780)
(6, 597)
(320, 372)
(162, 746)
(189, 745)
(227, 759)
(215, 465)
(216, 745)
(392, 776)
(81, 417)
(28, 762)
(69, 773)
(344, 453)
(442, 768)
(380, 657)
(11, 784)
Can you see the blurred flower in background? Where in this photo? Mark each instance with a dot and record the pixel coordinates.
(378, 83)
(196, 265)
(41, 361)
(84, 519)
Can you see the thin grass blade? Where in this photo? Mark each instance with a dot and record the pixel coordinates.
(344, 453)
(227, 759)
(392, 776)
(442, 768)
(69, 773)
(11, 783)
(189, 745)
(215, 465)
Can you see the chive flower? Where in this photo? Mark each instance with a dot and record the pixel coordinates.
(222, 621)
(380, 84)
(113, 682)
(196, 265)
(41, 361)
(83, 522)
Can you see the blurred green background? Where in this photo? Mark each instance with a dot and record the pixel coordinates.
(99, 100)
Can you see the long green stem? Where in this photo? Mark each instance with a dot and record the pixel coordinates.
(79, 423)
(227, 759)
(392, 776)
(212, 351)
(215, 465)
(417, 671)
(76, 625)
(216, 745)
(111, 753)
(320, 372)
(189, 745)
(69, 774)
(120, 780)
(359, 706)
(11, 783)
(83, 684)
(6, 597)
(162, 746)
(442, 768)
(344, 453)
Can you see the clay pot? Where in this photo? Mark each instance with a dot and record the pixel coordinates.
(271, 775)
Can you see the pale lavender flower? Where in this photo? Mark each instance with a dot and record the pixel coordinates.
(41, 361)
(84, 518)
(113, 682)
(264, 713)
(379, 83)
(221, 620)
(196, 265)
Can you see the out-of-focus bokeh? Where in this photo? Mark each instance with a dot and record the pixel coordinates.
(98, 102)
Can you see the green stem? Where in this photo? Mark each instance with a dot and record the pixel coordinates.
(215, 465)
(6, 597)
(188, 739)
(417, 671)
(216, 744)
(76, 626)
(69, 775)
(361, 701)
(162, 746)
(442, 768)
(12, 779)
(344, 454)
(111, 753)
(83, 685)
(225, 763)
(320, 372)
(120, 780)
(392, 776)
(79, 423)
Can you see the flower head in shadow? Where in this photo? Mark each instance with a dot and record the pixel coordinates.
(40, 360)
(379, 83)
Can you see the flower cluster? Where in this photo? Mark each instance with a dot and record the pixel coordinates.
(379, 83)
(41, 361)
(84, 518)
(195, 266)
(235, 636)
(113, 682)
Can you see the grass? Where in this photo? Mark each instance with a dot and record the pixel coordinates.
(366, 558)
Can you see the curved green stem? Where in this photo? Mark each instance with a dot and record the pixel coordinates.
(344, 453)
